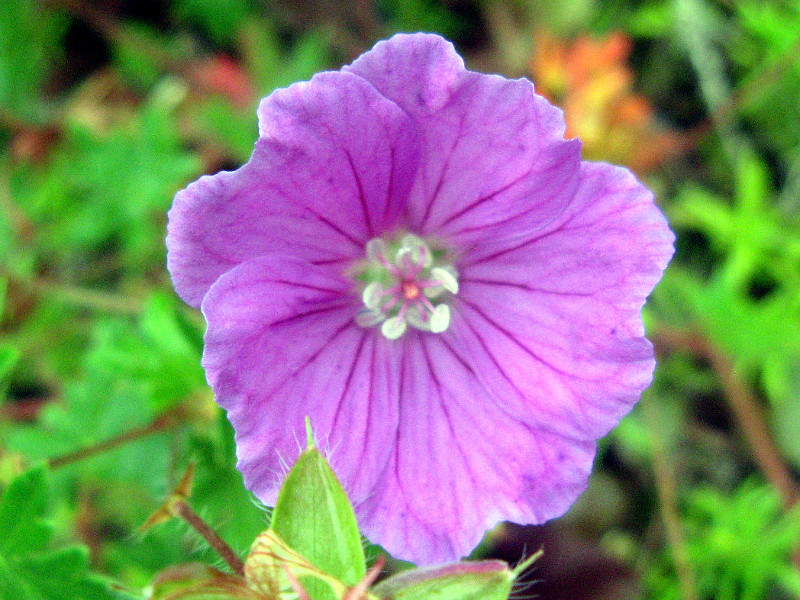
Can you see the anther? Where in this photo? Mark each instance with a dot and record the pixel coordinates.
(393, 328)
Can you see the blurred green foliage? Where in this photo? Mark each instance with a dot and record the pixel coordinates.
(30, 41)
(28, 569)
(108, 108)
(739, 545)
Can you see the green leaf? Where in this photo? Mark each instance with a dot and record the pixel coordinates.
(28, 569)
(139, 54)
(161, 354)
(29, 40)
(315, 518)
(272, 65)
(103, 188)
(480, 580)
(9, 356)
(739, 541)
(221, 20)
(23, 504)
(427, 15)
(215, 120)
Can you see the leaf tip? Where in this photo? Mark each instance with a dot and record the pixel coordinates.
(309, 435)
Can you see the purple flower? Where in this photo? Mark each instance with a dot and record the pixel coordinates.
(417, 260)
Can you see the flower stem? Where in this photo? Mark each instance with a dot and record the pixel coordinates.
(185, 512)
(93, 299)
(750, 90)
(667, 490)
(744, 406)
(163, 422)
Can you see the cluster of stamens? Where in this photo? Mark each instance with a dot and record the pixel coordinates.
(402, 291)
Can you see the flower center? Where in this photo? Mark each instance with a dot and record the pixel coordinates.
(410, 290)
(401, 292)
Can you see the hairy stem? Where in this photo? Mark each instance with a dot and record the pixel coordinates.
(220, 546)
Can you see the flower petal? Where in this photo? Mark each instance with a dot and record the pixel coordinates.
(359, 169)
(494, 161)
(461, 463)
(281, 345)
(333, 167)
(552, 324)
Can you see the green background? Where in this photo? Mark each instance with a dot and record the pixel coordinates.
(107, 108)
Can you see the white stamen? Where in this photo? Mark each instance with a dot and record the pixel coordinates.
(421, 256)
(446, 278)
(410, 240)
(418, 318)
(393, 328)
(373, 295)
(369, 317)
(433, 291)
(440, 318)
(404, 258)
(376, 250)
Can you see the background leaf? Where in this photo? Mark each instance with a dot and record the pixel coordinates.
(29, 569)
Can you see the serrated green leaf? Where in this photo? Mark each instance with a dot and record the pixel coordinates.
(28, 570)
(314, 516)
(134, 56)
(62, 575)
(108, 187)
(273, 66)
(747, 524)
(480, 580)
(22, 507)
(217, 120)
(160, 355)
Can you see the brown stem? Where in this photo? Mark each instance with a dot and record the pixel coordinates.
(667, 489)
(161, 423)
(74, 295)
(751, 419)
(183, 510)
(740, 98)
(94, 299)
(745, 408)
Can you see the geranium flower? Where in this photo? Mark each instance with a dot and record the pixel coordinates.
(417, 260)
